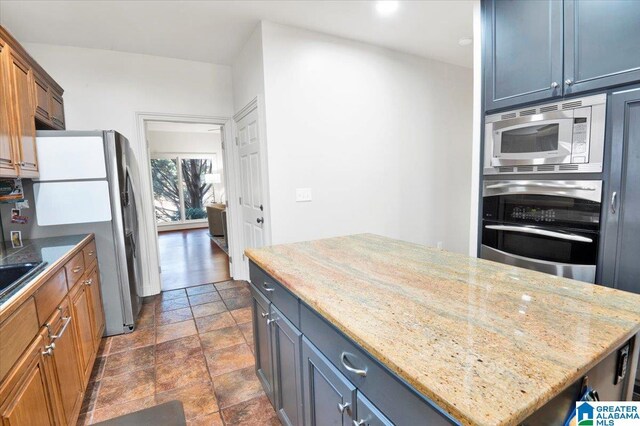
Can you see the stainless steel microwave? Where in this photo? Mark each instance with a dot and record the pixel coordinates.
(563, 137)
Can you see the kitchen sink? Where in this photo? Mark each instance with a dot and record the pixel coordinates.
(12, 276)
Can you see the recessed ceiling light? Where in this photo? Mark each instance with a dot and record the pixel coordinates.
(465, 41)
(386, 7)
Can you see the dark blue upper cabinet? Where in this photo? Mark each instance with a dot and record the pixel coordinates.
(522, 51)
(601, 44)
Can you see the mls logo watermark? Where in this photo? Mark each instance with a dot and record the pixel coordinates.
(610, 413)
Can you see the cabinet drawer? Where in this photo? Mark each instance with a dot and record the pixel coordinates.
(16, 332)
(89, 254)
(75, 269)
(282, 298)
(50, 294)
(374, 380)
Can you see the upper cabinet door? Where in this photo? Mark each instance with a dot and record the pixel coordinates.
(20, 78)
(601, 44)
(7, 156)
(522, 51)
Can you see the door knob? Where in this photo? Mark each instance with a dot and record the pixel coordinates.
(568, 82)
(260, 220)
(261, 207)
(554, 85)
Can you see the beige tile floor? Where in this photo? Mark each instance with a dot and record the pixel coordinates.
(193, 345)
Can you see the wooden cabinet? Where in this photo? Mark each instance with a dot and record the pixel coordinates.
(522, 51)
(26, 397)
(537, 50)
(7, 154)
(81, 310)
(92, 284)
(64, 363)
(49, 106)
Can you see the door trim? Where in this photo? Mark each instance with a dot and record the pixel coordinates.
(149, 249)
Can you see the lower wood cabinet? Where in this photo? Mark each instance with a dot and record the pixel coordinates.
(92, 284)
(27, 394)
(81, 310)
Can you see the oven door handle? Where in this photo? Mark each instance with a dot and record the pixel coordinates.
(540, 185)
(546, 233)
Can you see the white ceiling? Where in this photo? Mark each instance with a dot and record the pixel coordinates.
(215, 31)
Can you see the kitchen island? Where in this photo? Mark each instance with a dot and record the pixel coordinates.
(476, 342)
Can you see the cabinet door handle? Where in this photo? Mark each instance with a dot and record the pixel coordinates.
(49, 349)
(344, 407)
(269, 321)
(554, 85)
(89, 281)
(67, 320)
(347, 364)
(76, 269)
(360, 422)
(568, 82)
(90, 253)
(266, 287)
(614, 201)
(264, 314)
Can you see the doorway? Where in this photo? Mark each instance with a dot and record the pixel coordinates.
(188, 183)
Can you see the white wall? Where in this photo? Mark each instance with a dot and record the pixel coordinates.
(163, 142)
(382, 138)
(105, 89)
(248, 72)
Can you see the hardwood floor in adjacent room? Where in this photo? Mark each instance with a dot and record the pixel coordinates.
(189, 258)
(194, 345)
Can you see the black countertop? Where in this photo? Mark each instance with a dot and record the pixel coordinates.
(48, 250)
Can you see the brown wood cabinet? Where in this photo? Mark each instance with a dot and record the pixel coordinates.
(29, 99)
(43, 382)
(27, 396)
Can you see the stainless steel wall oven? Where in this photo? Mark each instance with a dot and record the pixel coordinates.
(545, 225)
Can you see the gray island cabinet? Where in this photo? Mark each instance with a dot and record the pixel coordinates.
(366, 330)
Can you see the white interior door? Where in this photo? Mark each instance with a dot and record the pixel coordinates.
(251, 196)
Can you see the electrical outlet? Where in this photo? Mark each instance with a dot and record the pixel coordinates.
(303, 194)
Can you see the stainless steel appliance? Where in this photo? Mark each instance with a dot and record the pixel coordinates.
(86, 185)
(566, 136)
(545, 225)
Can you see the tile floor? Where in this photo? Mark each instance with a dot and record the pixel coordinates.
(193, 345)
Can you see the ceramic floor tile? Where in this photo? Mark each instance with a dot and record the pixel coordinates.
(212, 419)
(247, 331)
(136, 339)
(242, 315)
(146, 317)
(127, 361)
(151, 299)
(214, 322)
(175, 331)
(105, 345)
(229, 359)
(236, 387)
(178, 350)
(230, 284)
(197, 399)
(172, 294)
(171, 376)
(126, 387)
(207, 288)
(222, 338)
(172, 304)
(115, 410)
(257, 411)
(208, 309)
(238, 302)
(170, 317)
(90, 397)
(201, 299)
(98, 369)
(234, 292)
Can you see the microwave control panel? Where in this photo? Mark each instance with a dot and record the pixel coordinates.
(581, 130)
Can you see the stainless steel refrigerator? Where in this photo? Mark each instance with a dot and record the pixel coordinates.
(87, 184)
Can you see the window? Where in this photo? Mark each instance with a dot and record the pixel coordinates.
(182, 186)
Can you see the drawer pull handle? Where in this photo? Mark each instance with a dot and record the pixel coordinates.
(269, 321)
(264, 314)
(49, 349)
(266, 287)
(76, 269)
(89, 281)
(344, 407)
(347, 364)
(67, 320)
(359, 422)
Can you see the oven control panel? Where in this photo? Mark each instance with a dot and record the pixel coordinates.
(581, 130)
(533, 214)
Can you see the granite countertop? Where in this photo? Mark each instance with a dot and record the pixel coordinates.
(489, 343)
(48, 250)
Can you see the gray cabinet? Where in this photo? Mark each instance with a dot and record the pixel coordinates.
(367, 414)
(329, 397)
(286, 345)
(522, 51)
(620, 266)
(262, 340)
(601, 44)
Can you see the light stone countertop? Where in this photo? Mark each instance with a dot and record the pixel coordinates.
(489, 343)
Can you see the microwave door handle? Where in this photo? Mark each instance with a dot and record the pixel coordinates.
(541, 185)
(545, 232)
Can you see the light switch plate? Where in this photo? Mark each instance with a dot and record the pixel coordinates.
(303, 194)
